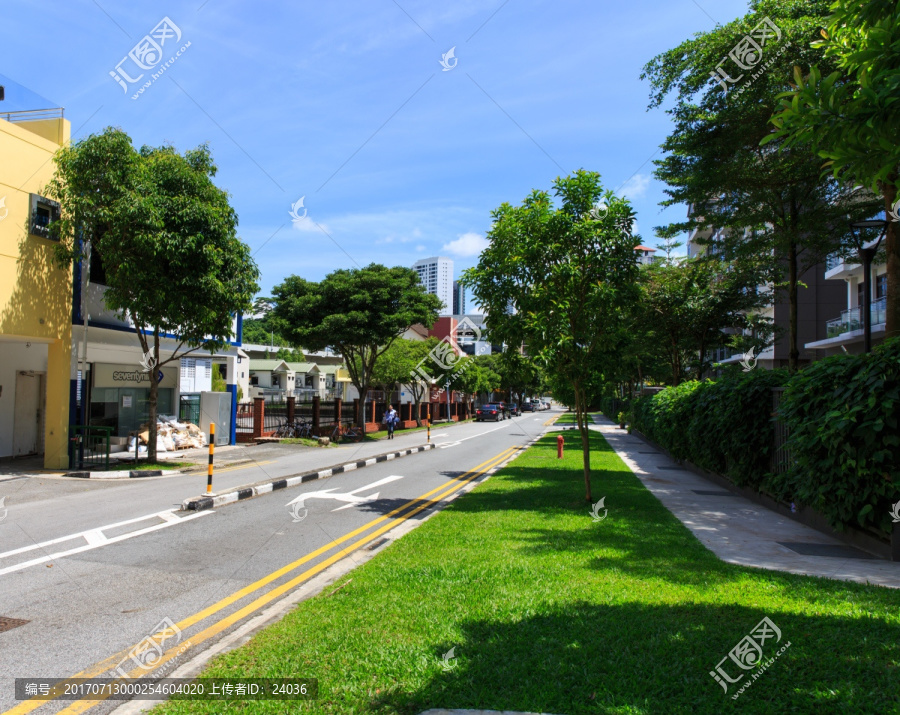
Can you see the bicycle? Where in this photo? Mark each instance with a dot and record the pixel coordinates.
(285, 430)
(303, 429)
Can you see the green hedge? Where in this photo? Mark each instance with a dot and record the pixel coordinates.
(843, 415)
(724, 425)
(843, 419)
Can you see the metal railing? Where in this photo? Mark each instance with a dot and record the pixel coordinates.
(33, 115)
(851, 319)
(781, 457)
(89, 447)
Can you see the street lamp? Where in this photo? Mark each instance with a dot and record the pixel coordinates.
(867, 255)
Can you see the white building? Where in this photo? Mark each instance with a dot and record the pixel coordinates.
(436, 274)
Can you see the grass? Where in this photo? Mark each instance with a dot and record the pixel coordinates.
(305, 441)
(551, 612)
(128, 466)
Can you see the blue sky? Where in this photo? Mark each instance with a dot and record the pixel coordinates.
(347, 104)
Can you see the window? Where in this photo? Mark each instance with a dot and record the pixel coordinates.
(43, 213)
(881, 286)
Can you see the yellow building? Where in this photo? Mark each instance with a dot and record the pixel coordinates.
(35, 295)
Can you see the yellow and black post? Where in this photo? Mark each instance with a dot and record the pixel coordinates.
(428, 422)
(212, 449)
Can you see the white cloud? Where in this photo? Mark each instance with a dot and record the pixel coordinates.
(636, 186)
(307, 224)
(468, 244)
(420, 248)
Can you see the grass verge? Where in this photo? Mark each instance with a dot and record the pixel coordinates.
(128, 466)
(549, 611)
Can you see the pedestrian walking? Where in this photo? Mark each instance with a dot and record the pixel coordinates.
(391, 418)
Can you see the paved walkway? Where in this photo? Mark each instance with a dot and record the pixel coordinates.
(740, 531)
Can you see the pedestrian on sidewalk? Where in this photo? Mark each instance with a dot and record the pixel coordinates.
(391, 418)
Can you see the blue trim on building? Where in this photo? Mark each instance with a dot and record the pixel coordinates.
(232, 437)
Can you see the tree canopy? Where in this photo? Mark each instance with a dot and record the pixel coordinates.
(358, 311)
(558, 278)
(167, 239)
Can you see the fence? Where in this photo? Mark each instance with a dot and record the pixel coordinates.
(244, 422)
(189, 409)
(781, 457)
(89, 447)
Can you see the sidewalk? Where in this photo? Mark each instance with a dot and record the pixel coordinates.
(740, 531)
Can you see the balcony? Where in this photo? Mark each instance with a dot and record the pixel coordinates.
(850, 319)
(837, 266)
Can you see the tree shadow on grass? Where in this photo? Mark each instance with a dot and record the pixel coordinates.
(591, 658)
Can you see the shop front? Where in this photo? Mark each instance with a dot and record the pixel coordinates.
(120, 396)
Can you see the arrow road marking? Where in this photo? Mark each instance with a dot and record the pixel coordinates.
(350, 497)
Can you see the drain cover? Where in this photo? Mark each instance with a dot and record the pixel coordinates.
(836, 551)
(662, 466)
(642, 451)
(705, 493)
(7, 624)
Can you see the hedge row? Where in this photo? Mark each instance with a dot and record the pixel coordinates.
(843, 419)
(724, 426)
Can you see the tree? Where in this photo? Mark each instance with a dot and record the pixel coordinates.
(558, 279)
(358, 311)
(845, 109)
(772, 200)
(167, 239)
(396, 368)
(691, 305)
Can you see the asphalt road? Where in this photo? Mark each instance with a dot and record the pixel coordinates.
(139, 572)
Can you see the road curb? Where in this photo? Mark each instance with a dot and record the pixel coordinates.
(253, 490)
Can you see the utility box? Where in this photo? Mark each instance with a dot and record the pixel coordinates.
(216, 407)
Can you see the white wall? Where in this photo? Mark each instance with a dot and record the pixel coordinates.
(14, 356)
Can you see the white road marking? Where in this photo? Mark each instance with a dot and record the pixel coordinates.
(95, 538)
(350, 497)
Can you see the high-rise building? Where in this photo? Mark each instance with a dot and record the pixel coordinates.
(436, 274)
(459, 298)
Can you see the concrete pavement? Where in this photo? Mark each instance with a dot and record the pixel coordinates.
(738, 530)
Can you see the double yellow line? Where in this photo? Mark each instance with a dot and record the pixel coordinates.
(393, 518)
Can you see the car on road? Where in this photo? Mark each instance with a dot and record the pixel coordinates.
(514, 410)
(528, 407)
(489, 412)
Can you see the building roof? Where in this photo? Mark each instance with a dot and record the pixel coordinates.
(303, 367)
(330, 369)
(270, 365)
(644, 248)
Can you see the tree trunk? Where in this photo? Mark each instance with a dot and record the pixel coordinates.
(154, 398)
(793, 278)
(585, 442)
(892, 246)
(361, 415)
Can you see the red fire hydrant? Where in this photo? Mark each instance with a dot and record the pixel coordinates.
(559, 446)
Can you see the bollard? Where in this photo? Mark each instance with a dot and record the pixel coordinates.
(212, 447)
(559, 446)
(428, 422)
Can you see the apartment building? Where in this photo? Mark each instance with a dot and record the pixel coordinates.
(436, 274)
(843, 327)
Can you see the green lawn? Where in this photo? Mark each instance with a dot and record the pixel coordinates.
(552, 612)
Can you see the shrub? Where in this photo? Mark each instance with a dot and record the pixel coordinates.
(843, 418)
(723, 426)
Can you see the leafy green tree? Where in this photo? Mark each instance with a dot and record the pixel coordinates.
(845, 109)
(772, 201)
(167, 238)
(358, 311)
(558, 280)
(690, 306)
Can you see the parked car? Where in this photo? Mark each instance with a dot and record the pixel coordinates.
(489, 412)
(514, 410)
(528, 407)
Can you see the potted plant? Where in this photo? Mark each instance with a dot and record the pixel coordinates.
(621, 420)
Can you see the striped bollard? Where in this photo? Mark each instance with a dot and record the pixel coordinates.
(212, 449)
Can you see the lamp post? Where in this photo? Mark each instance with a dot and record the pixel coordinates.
(867, 255)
